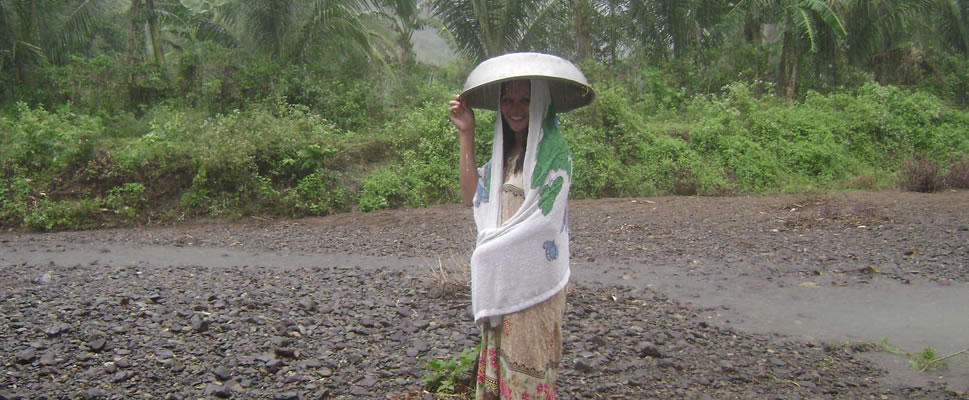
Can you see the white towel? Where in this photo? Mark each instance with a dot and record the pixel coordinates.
(524, 261)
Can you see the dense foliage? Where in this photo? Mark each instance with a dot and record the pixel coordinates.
(145, 111)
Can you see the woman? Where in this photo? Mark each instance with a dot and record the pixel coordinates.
(519, 268)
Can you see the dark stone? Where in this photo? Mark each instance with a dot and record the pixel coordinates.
(584, 365)
(222, 373)
(286, 352)
(48, 358)
(26, 356)
(121, 376)
(286, 396)
(6, 395)
(274, 365)
(219, 391)
(421, 324)
(97, 344)
(307, 304)
(199, 324)
(647, 349)
(93, 394)
(57, 329)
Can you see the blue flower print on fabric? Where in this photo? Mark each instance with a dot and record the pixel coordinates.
(551, 250)
(481, 194)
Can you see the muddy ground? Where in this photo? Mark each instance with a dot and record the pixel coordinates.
(773, 297)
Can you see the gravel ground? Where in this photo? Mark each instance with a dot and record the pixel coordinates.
(263, 309)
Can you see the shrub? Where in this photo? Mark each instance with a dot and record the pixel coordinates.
(14, 194)
(48, 143)
(596, 170)
(381, 190)
(127, 200)
(320, 193)
(958, 175)
(48, 215)
(427, 147)
(920, 174)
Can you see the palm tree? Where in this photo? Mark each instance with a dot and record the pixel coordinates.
(805, 26)
(672, 28)
(297, 30)
(404, 19)
(35, 32)
(882, 32)
(952, 21)
(488, 28)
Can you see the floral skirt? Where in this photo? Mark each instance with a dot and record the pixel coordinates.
(520, 358)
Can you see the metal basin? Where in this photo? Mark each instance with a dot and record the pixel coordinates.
(568, 86)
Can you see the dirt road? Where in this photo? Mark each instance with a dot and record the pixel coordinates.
(674, 297)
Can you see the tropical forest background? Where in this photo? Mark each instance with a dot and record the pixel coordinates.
(120, 112)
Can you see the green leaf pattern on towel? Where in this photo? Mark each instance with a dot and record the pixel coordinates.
(553, 154)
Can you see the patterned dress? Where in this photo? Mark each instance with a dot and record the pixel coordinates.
(519, 359)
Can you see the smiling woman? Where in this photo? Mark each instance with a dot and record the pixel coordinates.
(520, 266)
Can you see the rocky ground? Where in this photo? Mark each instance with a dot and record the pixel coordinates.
(354, 305)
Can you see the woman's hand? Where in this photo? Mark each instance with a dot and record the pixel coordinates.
(462, 116)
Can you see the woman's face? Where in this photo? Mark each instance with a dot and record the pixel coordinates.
(514, 104)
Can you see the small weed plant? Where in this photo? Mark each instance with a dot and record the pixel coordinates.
(453, 375)
(926, 360)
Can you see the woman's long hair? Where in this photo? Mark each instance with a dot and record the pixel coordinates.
(509, 138)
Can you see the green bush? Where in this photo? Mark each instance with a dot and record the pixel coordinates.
(426, 146)
(47, 143)
(15, 192)
(596, 169)
(320, 193)
(222, 136)
(48, 215)
(381, 190)
(127, 200)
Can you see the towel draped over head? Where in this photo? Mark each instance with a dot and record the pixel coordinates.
(525, 260)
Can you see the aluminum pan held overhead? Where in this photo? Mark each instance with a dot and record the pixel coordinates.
(568, 86)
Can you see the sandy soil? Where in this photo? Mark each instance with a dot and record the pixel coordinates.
(674, 297)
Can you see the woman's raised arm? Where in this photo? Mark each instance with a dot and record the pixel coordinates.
(463, 118)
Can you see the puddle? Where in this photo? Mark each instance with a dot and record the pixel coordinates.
(909, 317)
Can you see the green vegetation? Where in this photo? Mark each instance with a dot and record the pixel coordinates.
(925, 360)
(447, 376)
(120, 112)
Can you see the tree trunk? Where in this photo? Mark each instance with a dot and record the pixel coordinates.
(155, 33)
(582, 47)
(404, 43)
(787, 69)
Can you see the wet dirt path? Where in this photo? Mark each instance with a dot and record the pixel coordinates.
(907, 316)
(902, 316)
